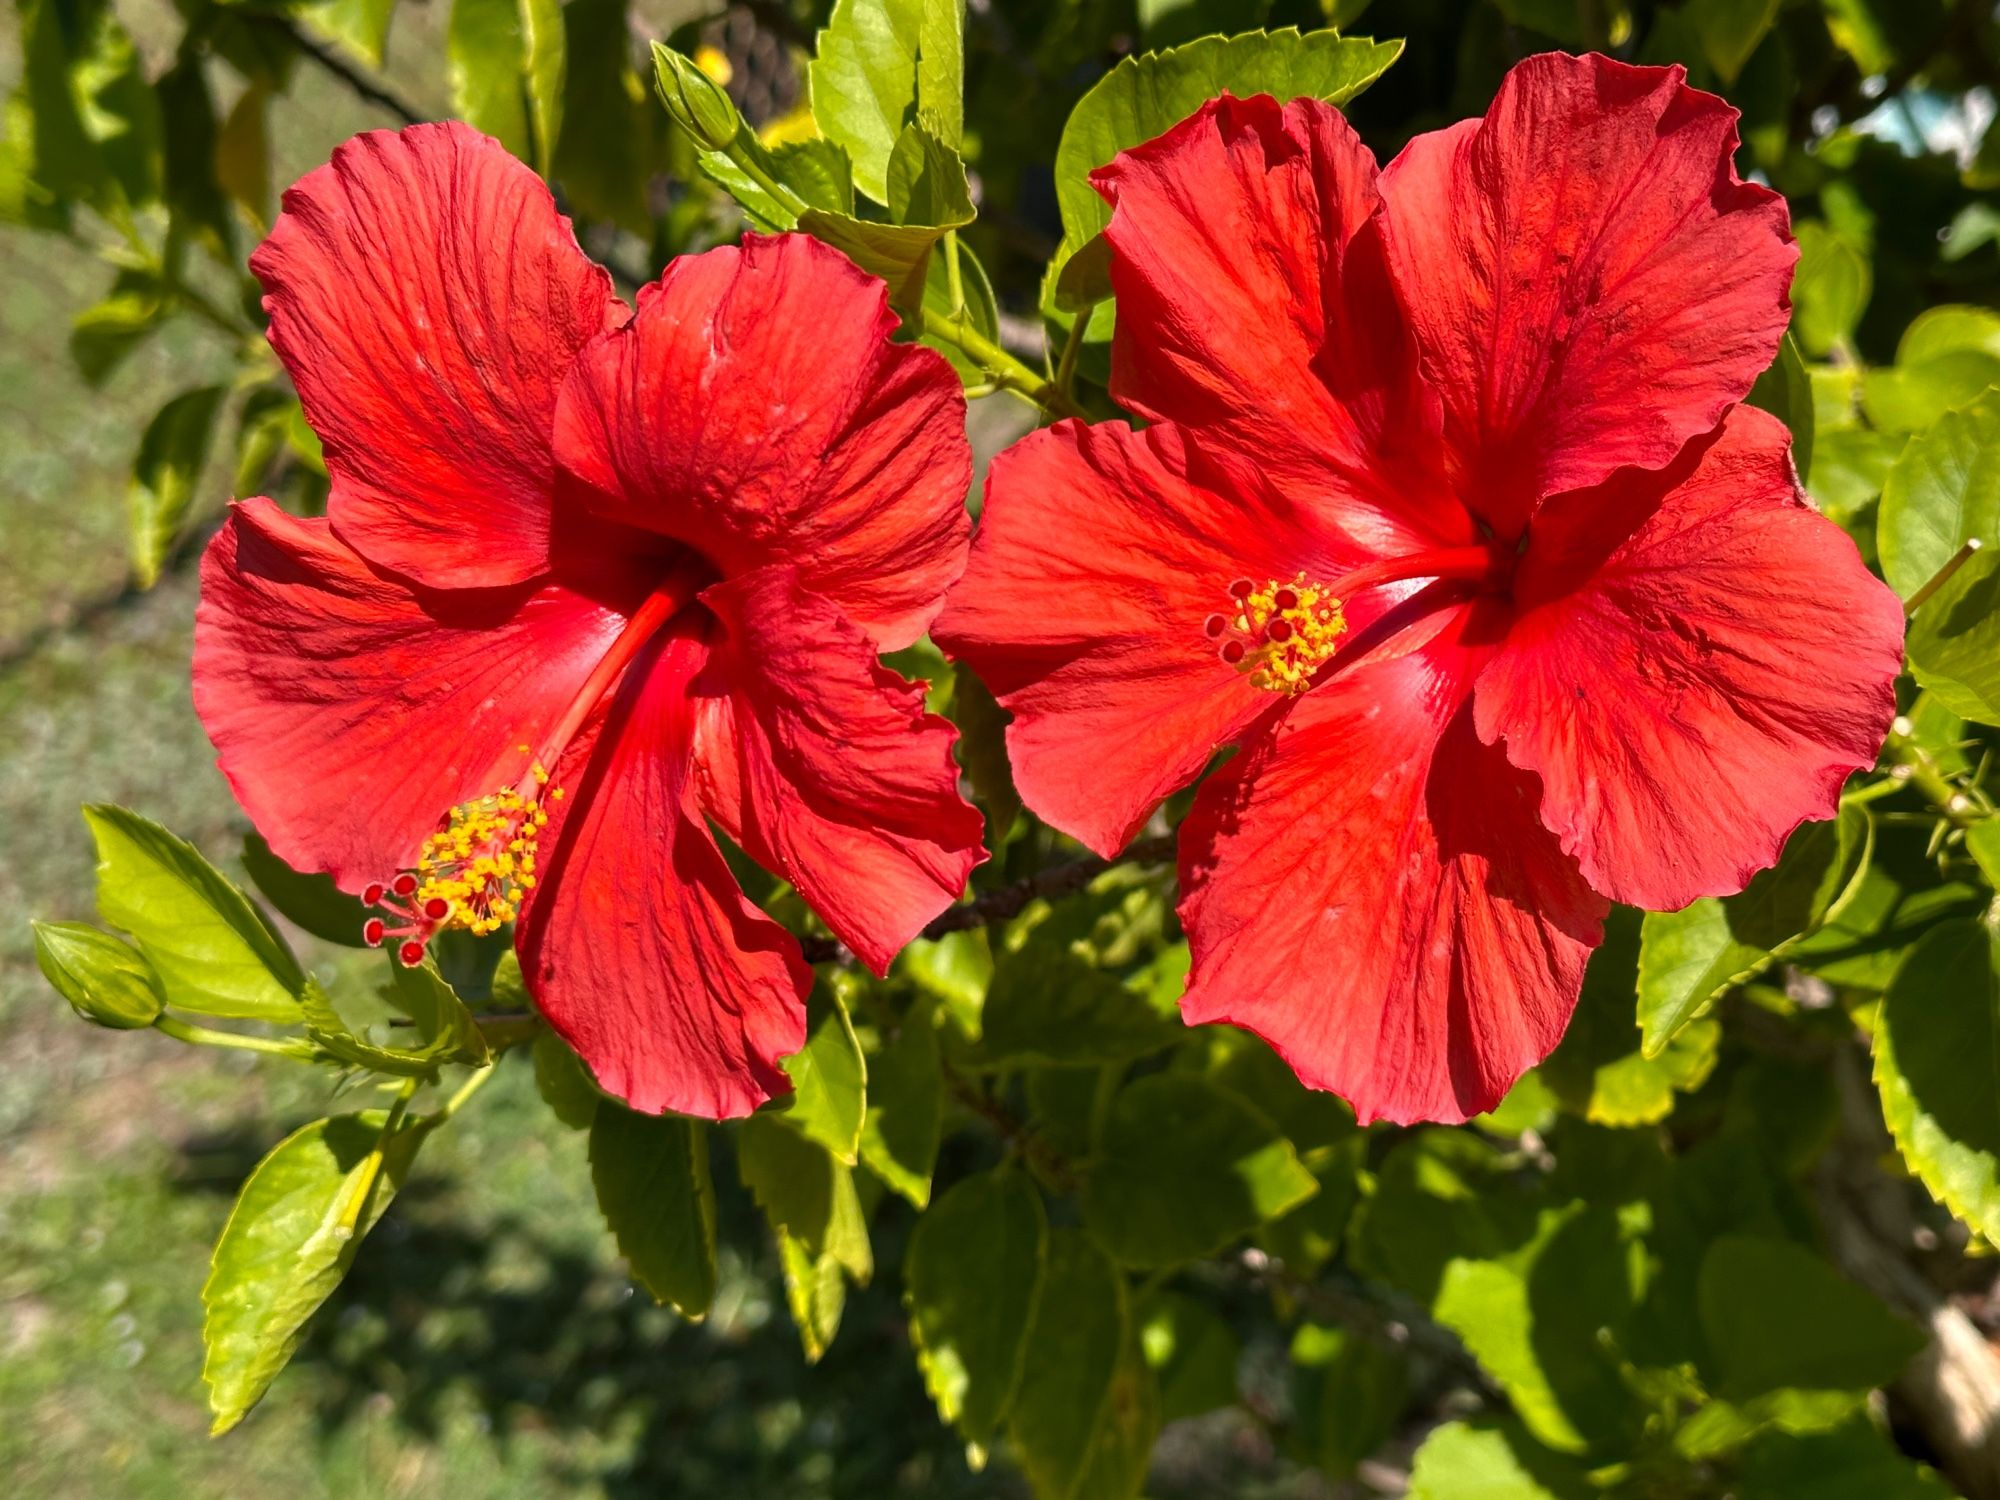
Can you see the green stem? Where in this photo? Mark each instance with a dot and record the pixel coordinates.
(203, 1036)
(456, 1102)
(1079, 329)
(1941, 577)
(754, 170)
(1007, 372)
(954, 278)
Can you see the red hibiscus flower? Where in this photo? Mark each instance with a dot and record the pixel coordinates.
(1448, 520)
(588, 581)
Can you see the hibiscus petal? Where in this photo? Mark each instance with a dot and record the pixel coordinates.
(1692, 690)
(1254, 298)
(349, 712)
(637, 944)
(427, 299)
(1097, 563)
(1592, 284)
(828, 771)
(756, 410)
(1368, 889)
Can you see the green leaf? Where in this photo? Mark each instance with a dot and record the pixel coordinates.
(1785, 391)
(904, 1119)
(1934, 1064)
(811, 1203)
(105, 979)
(1730, 31)
(982, 750)
(212, 950)
(420, 993)
(1942, 492)
(1081, 1329)
(1954, 640)
(1147, 95)
(1543, 1321)
(1852, 1462)
(190, 129)
(1946, 357)
(1193, 1354)
(972, 1280)
(898, 253)
(1829, 290)
(875, 65)
(1489, 1460)
(1049, 1003)
(103, 336)
(653, 1188)
(1183, 1169)
(291, 1237)
(1349, 1391)
(1599, 1070)
(506, 61)
(1436, 1198)
(311, 902)
(1689, 957)
(927, 182)
(612, 142)
(829, 1098)
(564, 1082)
(361, 26)
(82, 125)
(955, 971)
(1786, 1331)
(172, 454)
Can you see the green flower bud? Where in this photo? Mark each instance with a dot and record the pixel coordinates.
(697, 102)
(105, 979)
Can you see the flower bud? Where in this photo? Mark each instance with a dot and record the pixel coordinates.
(105, 979)
(697, 102)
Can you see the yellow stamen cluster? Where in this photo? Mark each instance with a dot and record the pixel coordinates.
(481, 861)
(1281, 634)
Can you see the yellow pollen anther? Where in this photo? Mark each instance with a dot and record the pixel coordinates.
(480, 861)
(1279, 634)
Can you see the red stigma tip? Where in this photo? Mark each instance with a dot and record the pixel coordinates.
(373, 892)
(1213, 626)
(373, 931)
(1279, 631)
(1232, 652)
(1285, 599)
(406, 885)
(437, 908)
(1241, 588)
(410, 954)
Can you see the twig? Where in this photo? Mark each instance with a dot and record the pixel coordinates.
(372, 90)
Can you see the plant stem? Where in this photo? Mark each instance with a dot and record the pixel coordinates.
(457, 1101)
(1913, 764)
(1941, 577)
(954, 277)
(1007, 372)
(203, 1036)
(1079, 329)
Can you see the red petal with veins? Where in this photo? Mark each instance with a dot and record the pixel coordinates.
(350, 711)
(1254, 301)
(636, 943)
(824, 766)
(428, 299)
(1700, 662)
(1591, 282)
(756, 409)
(1097, 562)
(1369, 889)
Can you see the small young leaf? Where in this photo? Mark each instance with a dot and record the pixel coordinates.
(104, 335)
(829, 1098)
(972, 1281)
(927, 179)
(311, 902)
(331, 1034)
(904, 1118)
(1082, 1325)
(105, 979)
(1183, 1169)
(212, 950)
(653, 1187)
(297, 1224)
(172, 454)
(876, 63)
(1489, 1460)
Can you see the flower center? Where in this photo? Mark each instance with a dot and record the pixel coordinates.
(475, 870)
(1281, 635)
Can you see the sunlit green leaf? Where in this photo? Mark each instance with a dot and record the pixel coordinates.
(904, 1119)
(1489, 1460)
(1942, 492)
(878, 62)
(829, 1077)
(1954, 640)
